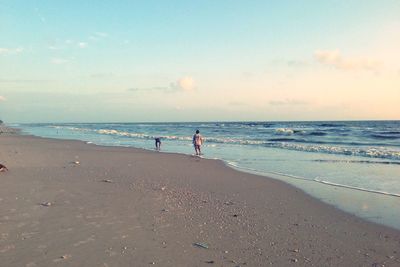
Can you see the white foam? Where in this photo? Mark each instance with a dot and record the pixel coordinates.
(233, 164)
(356, 188)
(285, 131)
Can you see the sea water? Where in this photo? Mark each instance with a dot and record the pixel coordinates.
(354, 165)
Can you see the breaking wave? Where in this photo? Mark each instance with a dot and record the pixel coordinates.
(290, 143)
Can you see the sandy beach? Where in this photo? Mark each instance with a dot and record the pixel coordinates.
(68, 203)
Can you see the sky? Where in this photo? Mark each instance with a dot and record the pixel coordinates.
(209, 60)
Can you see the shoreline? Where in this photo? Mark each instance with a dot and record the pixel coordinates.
(374, 213)
(243, 218)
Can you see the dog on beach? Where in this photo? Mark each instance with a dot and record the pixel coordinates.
(3, 168)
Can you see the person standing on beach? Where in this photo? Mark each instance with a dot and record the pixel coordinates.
(158, 143)
(197, 142)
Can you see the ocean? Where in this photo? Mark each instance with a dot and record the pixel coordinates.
(353, 165)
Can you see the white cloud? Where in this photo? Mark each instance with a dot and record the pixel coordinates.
(2, 98)
(101, 34)
(82, 45)
(53, 47)
(186, 83)
(4, 51)
(70, 44)
(335, 59)
(59, 61)
(98, 36)
(8, 51)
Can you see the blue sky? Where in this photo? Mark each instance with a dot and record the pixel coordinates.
(199, 60)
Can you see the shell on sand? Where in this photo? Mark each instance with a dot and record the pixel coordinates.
(3, 168)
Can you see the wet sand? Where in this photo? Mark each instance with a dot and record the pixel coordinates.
(67, 203)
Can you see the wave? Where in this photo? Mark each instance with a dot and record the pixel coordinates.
(391, 132)
(285, 131)
(357, 188)
(71, 128)
(289, 131)
(317, 134)
(235, 165)
(283, 140)
(359, 161)
(331, 125)
(345, 143)
(369, 150)
(382, 136)
(142, 135)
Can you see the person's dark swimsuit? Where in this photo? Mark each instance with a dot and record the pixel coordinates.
(158, 142)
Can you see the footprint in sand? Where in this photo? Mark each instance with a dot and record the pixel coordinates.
(90, 239)
(95, 224)
(111, 253)
(28, 235)
(63, 257)
(41, 248)
(66, 230)
(4, 236)
(7, 248)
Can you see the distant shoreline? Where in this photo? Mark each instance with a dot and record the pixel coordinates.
(222, 121)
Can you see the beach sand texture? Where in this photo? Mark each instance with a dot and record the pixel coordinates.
(67, 203)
